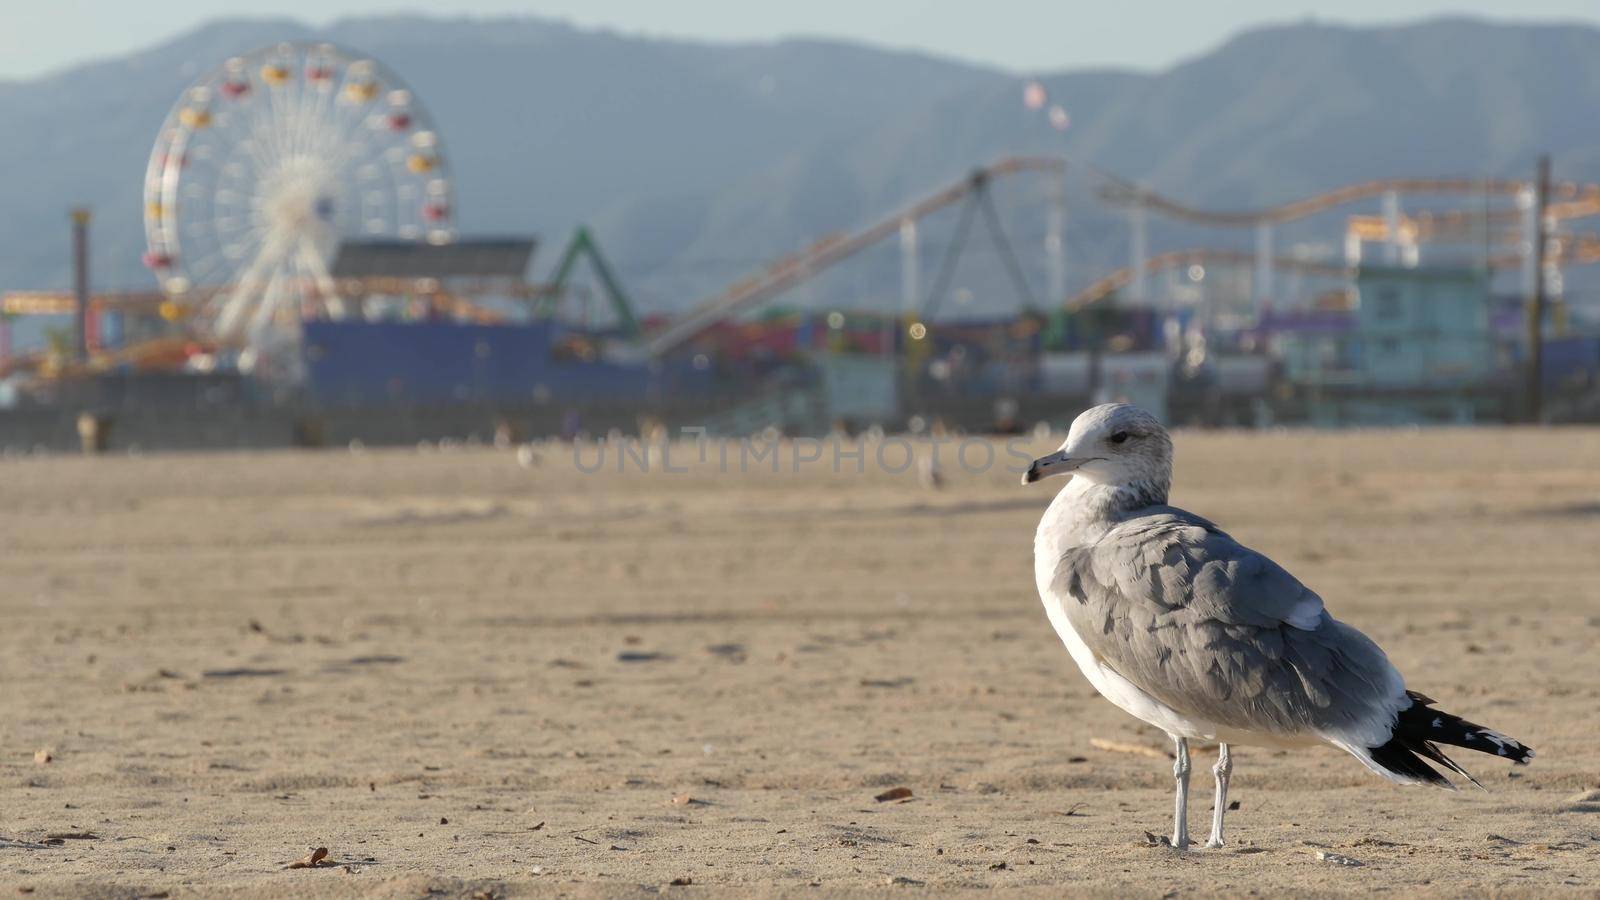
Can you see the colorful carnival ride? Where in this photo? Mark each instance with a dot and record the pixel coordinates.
(306, 183)
(265, 164)
(262, 169)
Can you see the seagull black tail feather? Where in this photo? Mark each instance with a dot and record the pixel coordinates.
(1418, 732)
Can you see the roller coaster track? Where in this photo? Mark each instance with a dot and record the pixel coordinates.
(1571, 200)
(831, 250)
(1161, 262)
(1581, 249)
(160, 352)
(167, 353)
(1466, 224)
(62, 303)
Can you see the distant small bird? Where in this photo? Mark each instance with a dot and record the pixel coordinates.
(1179, 625)
(527, 456)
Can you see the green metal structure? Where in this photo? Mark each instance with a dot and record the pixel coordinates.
(583, 245)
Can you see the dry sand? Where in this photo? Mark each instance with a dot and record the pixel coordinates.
(462, 675)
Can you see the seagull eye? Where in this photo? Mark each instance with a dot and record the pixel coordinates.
(1120, 437)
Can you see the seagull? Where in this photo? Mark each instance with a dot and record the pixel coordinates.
(1183, 627)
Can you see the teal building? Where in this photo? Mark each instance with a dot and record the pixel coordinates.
(1417, 347)
(1423, 329)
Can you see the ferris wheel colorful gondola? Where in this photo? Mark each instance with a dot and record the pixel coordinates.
(266, 163)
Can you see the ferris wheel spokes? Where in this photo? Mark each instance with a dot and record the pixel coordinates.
(248, 291)
(266, 163)
(332, 304)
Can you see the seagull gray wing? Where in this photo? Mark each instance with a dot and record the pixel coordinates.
(1221, 633)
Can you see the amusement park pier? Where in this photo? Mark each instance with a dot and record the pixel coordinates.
(310, 286)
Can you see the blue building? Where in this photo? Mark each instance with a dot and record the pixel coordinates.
(402, 364)
(1418, 346)
(1423, 329)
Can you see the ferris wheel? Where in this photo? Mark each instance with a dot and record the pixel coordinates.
(265, 164)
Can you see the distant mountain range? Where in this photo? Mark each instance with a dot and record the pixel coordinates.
(694, 162)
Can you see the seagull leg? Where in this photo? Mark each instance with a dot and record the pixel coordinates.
(1220, 771)
(1180, 772)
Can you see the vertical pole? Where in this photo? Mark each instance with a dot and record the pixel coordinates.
(1352, 265)
(910, 302)
(910, 268)
(1485, 232)
(1262, 282)
(1391, 228)
(1527, 202)
(80, 283)
(1138, 251)
(1536, 300)
(1055, 249)
(1352, 249)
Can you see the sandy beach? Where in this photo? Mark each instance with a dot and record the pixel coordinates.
(469, 677)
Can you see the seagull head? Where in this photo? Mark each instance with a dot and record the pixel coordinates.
(1113, 444)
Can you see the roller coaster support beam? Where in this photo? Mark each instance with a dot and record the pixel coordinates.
(785, 273)
(1528, 205)
(1261, 281)
(80, 284)
(1391, 227)
(1055, 249)
(1535, 312)
(910, 268)
(1138, 251)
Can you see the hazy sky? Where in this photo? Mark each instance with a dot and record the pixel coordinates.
(37, 37)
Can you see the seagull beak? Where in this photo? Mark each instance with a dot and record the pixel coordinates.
(1058, 463)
